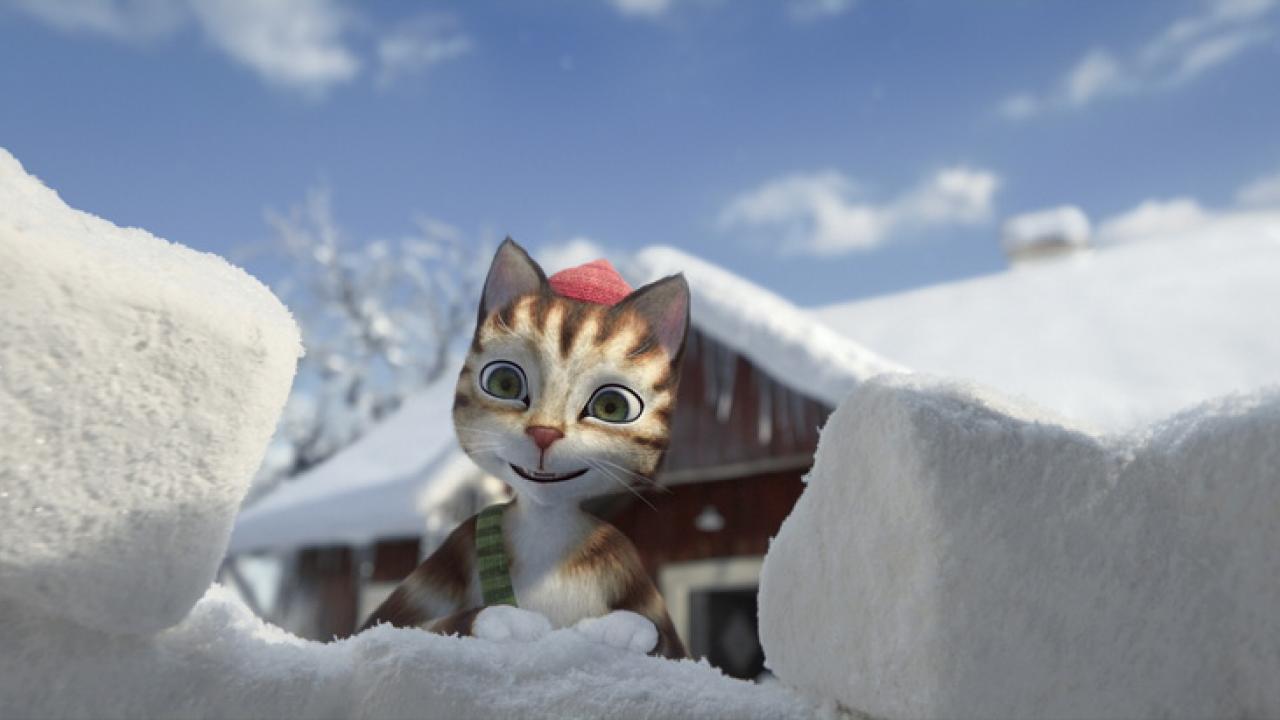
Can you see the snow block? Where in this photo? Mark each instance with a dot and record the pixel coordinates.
(139, 384)
(222, 662)
(961, 557)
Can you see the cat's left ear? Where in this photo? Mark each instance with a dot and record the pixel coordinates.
(665, 304)
(512, 274)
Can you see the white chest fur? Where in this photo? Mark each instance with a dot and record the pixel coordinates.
(541, 539)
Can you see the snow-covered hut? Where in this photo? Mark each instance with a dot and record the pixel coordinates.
(759, 378)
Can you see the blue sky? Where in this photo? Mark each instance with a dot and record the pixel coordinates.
(826, 149)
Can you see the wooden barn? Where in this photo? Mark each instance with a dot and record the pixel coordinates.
(759, 379)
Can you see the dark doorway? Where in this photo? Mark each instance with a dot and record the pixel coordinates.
(724, 629)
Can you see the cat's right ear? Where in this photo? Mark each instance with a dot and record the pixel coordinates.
(512, 274)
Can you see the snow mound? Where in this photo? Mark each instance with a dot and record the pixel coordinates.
(141, 381)
(221, 661)
(964, 557)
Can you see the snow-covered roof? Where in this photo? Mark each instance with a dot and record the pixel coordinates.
(1121, 336)
(373, 489)
(777, 336)
(366, 491)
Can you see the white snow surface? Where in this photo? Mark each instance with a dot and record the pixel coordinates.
(777, 336)
(1114, 339)
(223, 662)
(140, 383)
(960, 555)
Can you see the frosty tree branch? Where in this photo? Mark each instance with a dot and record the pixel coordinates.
(378, 321)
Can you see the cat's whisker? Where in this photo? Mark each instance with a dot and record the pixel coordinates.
(644, 480)
(621, 482)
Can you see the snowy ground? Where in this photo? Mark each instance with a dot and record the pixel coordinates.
(140, 384)
(964, 556)
(221, 661)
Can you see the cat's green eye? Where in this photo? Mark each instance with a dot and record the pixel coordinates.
(614, 404)
(503, 380)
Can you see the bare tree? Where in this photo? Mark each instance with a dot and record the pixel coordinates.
(379, 321)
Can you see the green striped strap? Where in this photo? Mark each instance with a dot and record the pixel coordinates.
(491, 558)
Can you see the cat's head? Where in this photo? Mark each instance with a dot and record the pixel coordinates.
(564, 398)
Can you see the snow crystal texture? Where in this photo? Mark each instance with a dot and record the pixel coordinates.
(964, 558)
(221, 661)
(141, 381)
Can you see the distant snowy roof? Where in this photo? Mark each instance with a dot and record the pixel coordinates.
(778, 337)
(368, 490)
(371, 489)
(1122, 336)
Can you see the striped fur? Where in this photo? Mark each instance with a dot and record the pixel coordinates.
(564, 564)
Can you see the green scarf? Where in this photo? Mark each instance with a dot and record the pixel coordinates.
(491, 558)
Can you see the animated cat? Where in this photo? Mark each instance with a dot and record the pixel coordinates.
(567, 392)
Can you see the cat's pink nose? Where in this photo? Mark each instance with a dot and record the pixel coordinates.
(543, 436)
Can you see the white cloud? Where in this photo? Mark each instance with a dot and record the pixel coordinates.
(818, 213)
(1019, 107)
(304, 46)
(1256, 209)
(129, 20)
(807, 10)
(1261, 193)
(797, 10)
(570, 253)
(419, 44)
(642, 8)
(1096, 73)
(1186, 49)
(296, 44)
(1152, 219)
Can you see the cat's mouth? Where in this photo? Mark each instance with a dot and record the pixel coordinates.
(545, 477)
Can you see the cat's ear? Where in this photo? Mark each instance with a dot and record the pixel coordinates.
(512, 274)
(665, 304)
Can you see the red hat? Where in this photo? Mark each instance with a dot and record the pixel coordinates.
(595, 282)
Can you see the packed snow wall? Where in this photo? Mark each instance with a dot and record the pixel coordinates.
(139, 383)
(957, 556)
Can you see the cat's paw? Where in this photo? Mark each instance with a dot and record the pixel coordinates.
(621, 629)
(504, 623)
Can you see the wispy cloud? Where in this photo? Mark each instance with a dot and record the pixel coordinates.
(811, 10)
(1256, 209)
(303, 46)
(797, 10)
(419, 44)
(1183, 51)
(642, 8)
(821, 213)
(126, 20)
(294, 44)
(570, 253)
(1263, 192)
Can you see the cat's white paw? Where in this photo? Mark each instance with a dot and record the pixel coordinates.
(504, 623)
(621, 629)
